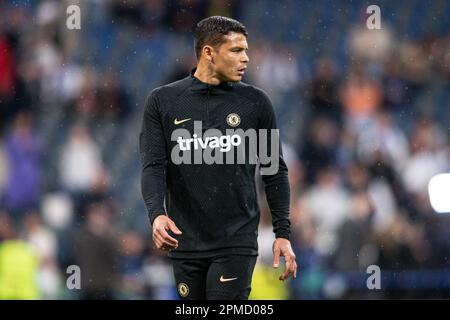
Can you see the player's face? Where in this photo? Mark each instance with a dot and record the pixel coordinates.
(230, 58)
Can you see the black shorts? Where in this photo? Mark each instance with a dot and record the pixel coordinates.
(225, 277)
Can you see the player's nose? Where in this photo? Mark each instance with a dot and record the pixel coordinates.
(245, 58)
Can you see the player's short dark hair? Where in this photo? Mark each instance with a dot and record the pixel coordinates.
(212, 31)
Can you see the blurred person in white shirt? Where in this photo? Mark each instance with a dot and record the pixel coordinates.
(385, 137)
(326, 204)
(44, 243)
(80, 162)
(81, 169)
(429, 156)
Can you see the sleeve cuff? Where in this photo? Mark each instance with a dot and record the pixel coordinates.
(282, 234)
(153, 216)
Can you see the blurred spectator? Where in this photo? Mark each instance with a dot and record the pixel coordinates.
(3, 168)
(48, 59)
(429, 156)
(274, 69)
(57, 213)
(96, 252)
(326, 204)
(355, 250)
(357, 178)
(320, 149)
(133, 285)
(159, 276)
(7, 70)
(47, 13)
(7, 79)
(80, 160)
(153, 15)
(324, 91)
(384, 137)
(39, 237)
(347, 147)
(225, 8)
(113, 100)
(439, 52)
(181, 70)
(361, 97)
(183, 15)
(415, 66)
(73, 77)
(18, 264)
(386, 195)
(397, 98)
(296, 176)
(57, 210)
(81, 167)
(15, 21)
(128, 11)
(23, 185)
(44, 243)
(372, 45)
(27, 88)
(89, 96)
(402, 245)
(82, 97)
(434, 247)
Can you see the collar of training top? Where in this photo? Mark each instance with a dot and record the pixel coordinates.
(198, 85)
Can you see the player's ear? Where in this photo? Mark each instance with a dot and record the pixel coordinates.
(207, 52)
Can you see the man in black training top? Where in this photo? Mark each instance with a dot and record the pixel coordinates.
(201, 199)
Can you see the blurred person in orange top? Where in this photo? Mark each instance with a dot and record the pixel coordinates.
(361, 97)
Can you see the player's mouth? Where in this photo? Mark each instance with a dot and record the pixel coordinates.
(241, 71)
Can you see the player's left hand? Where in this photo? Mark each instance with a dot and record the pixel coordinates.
(282, 247)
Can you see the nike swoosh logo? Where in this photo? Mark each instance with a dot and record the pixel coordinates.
(222, 279)
(177, 122)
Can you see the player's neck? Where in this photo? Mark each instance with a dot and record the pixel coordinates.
(205, 74)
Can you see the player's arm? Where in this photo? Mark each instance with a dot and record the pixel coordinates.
(152, 148)
(276, 185)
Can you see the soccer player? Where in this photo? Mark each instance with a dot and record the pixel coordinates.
(205, 214)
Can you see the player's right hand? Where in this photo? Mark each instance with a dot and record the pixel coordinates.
(163, 241)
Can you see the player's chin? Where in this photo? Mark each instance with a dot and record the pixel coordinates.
(236, 78)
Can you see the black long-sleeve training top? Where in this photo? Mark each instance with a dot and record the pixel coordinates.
(214, 204)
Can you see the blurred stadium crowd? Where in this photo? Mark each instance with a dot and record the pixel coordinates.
(363, 116)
